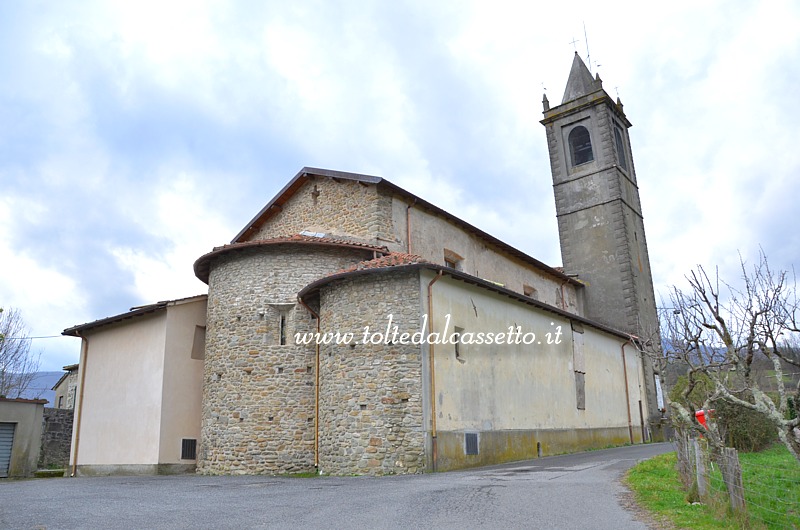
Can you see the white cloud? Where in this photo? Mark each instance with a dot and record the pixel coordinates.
(185, 217)
(48, 299)
(130, 119)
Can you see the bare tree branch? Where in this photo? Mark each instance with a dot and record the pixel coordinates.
(719, 330)
(18, 366)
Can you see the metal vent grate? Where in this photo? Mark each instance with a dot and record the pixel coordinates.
(189, 449)
(471, 443)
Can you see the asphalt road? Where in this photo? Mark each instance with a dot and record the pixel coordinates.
(571, 491)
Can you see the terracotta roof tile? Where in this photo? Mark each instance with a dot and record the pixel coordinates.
(392, 259)
(300, 238)
(202, 264)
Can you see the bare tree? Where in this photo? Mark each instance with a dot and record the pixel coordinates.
(717, 330)
(18, 366)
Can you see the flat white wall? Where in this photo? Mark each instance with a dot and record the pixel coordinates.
(510, 386)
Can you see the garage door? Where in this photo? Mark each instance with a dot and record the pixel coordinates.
(6, 438)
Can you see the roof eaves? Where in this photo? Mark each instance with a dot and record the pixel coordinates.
(76, 331)
(458, 275)
(202, 264)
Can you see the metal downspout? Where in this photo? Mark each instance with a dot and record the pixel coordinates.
(432, 370)
(316, 387)
(627, 393)
(79, 405)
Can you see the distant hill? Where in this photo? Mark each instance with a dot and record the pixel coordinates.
(40, 387)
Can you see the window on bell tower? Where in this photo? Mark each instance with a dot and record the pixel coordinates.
(580, 146)
(623, 162)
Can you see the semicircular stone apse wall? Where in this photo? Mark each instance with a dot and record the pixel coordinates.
(258, 387)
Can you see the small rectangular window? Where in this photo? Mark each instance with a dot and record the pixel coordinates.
(470, 443)
(453, 260)
(189, 449)
(199, 343)
(457, 344)
(283, 330)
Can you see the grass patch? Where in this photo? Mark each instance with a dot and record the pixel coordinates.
(48, 473)
(772, 487)
(657, 487)
(772, 492)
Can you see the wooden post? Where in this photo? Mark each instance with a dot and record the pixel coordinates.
(732, 475)
(701, 468)
(685, 460)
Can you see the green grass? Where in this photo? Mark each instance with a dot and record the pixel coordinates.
(772, 487)
(772, 493)
(657, 487)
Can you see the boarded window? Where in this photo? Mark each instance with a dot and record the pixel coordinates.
(580, 390)
(580, 146)
(199, 343)
(470, 443)
(578, 359)
(189, 449)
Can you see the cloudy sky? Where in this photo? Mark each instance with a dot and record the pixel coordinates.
(136, 136)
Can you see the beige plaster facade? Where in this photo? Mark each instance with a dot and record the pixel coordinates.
(140, 385)
(520, 396)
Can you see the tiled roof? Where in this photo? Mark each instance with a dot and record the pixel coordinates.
(392, 259)
(203, 263)
(138, 311)
(300, 238)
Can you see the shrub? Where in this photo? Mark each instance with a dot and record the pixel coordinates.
(744, 429)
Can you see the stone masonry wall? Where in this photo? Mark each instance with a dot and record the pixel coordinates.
(56, 438)
(371, 419)
(346, 208)
(258, 395)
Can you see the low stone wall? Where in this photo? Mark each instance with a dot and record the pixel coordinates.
(56, 438)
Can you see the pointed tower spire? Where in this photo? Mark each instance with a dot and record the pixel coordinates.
(580, 81)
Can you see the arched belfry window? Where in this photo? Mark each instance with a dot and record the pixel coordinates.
(580, 146)
(620, 147)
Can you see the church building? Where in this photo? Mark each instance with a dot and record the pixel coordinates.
(352, 327)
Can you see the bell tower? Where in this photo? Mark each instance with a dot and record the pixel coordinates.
(600, 223)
